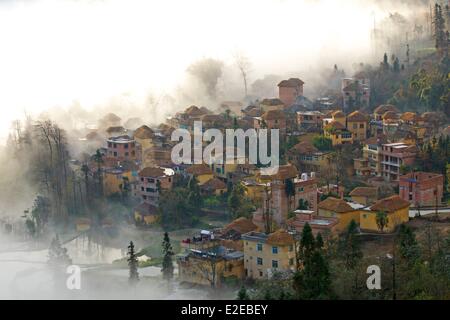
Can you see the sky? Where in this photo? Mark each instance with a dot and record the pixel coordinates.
(54, 52)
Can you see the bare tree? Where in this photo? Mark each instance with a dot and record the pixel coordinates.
(243, 64)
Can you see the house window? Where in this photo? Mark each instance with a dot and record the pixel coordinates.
(291, 248)
(291, 261)
(355, 126)
(274, 264)
(144, 197)
(115, 145)
(115, 154)
(274, 250)
(261, 273)
(150, 180)
(142, 189)
(301, 189)
(125, 145)
(259, 247)
(259, 261)
(109, 144)
(361, 125)
(126, 154)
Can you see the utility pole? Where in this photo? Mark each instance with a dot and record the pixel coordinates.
(394, 285)
(436, 204)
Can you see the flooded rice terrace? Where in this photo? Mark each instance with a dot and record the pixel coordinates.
(26, 274)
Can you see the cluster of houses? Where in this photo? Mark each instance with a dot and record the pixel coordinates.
(137, 160)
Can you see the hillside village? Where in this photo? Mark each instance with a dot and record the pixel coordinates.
(337, 167)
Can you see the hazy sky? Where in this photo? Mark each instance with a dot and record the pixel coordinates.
(53, 52)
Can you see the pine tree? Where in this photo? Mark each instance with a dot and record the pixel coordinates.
(132, 264)
(385, 62)
(396, 65)
(350, 246)
(242, 294)
(167, 264)
(319, 241)
(439, 28)
(313, 281)
(307, 243)
(408, 246)
(195, 199)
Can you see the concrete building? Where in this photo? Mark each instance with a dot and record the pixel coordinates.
(289, 90)
(121, 148)
(318, 224)
(355, 92)
(278, 202)
(265, 254)
(272, 119)
(310, 119)
(422, 189)
(393, 156)
(206, 262)
(151, 181)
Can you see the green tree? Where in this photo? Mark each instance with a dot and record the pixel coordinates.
(314, 280)
(98, 158)
(174, 209)
(408, 247)
(307, 243)
(167, 264)
(385, 62)
(319, 241)
(382, 220)
(242, 294)
(195, 199)
(350, 246)
(303, 204)
(322, 143)
(132, 264)
(238, 204)
(396, 65)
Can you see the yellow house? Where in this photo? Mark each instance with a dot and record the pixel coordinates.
(213, 186)
(357, 124)
(211, 266)
(364, 195)
(339, 116)
(271, 104)
(224, 170)
(145, 214)
(265, 254)
(338, 133)
(397, 211)
(82, 224)
(306, 154)
(337, 208)
(254, 190)
(201, 171)
(114, 179)
(144, 137)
